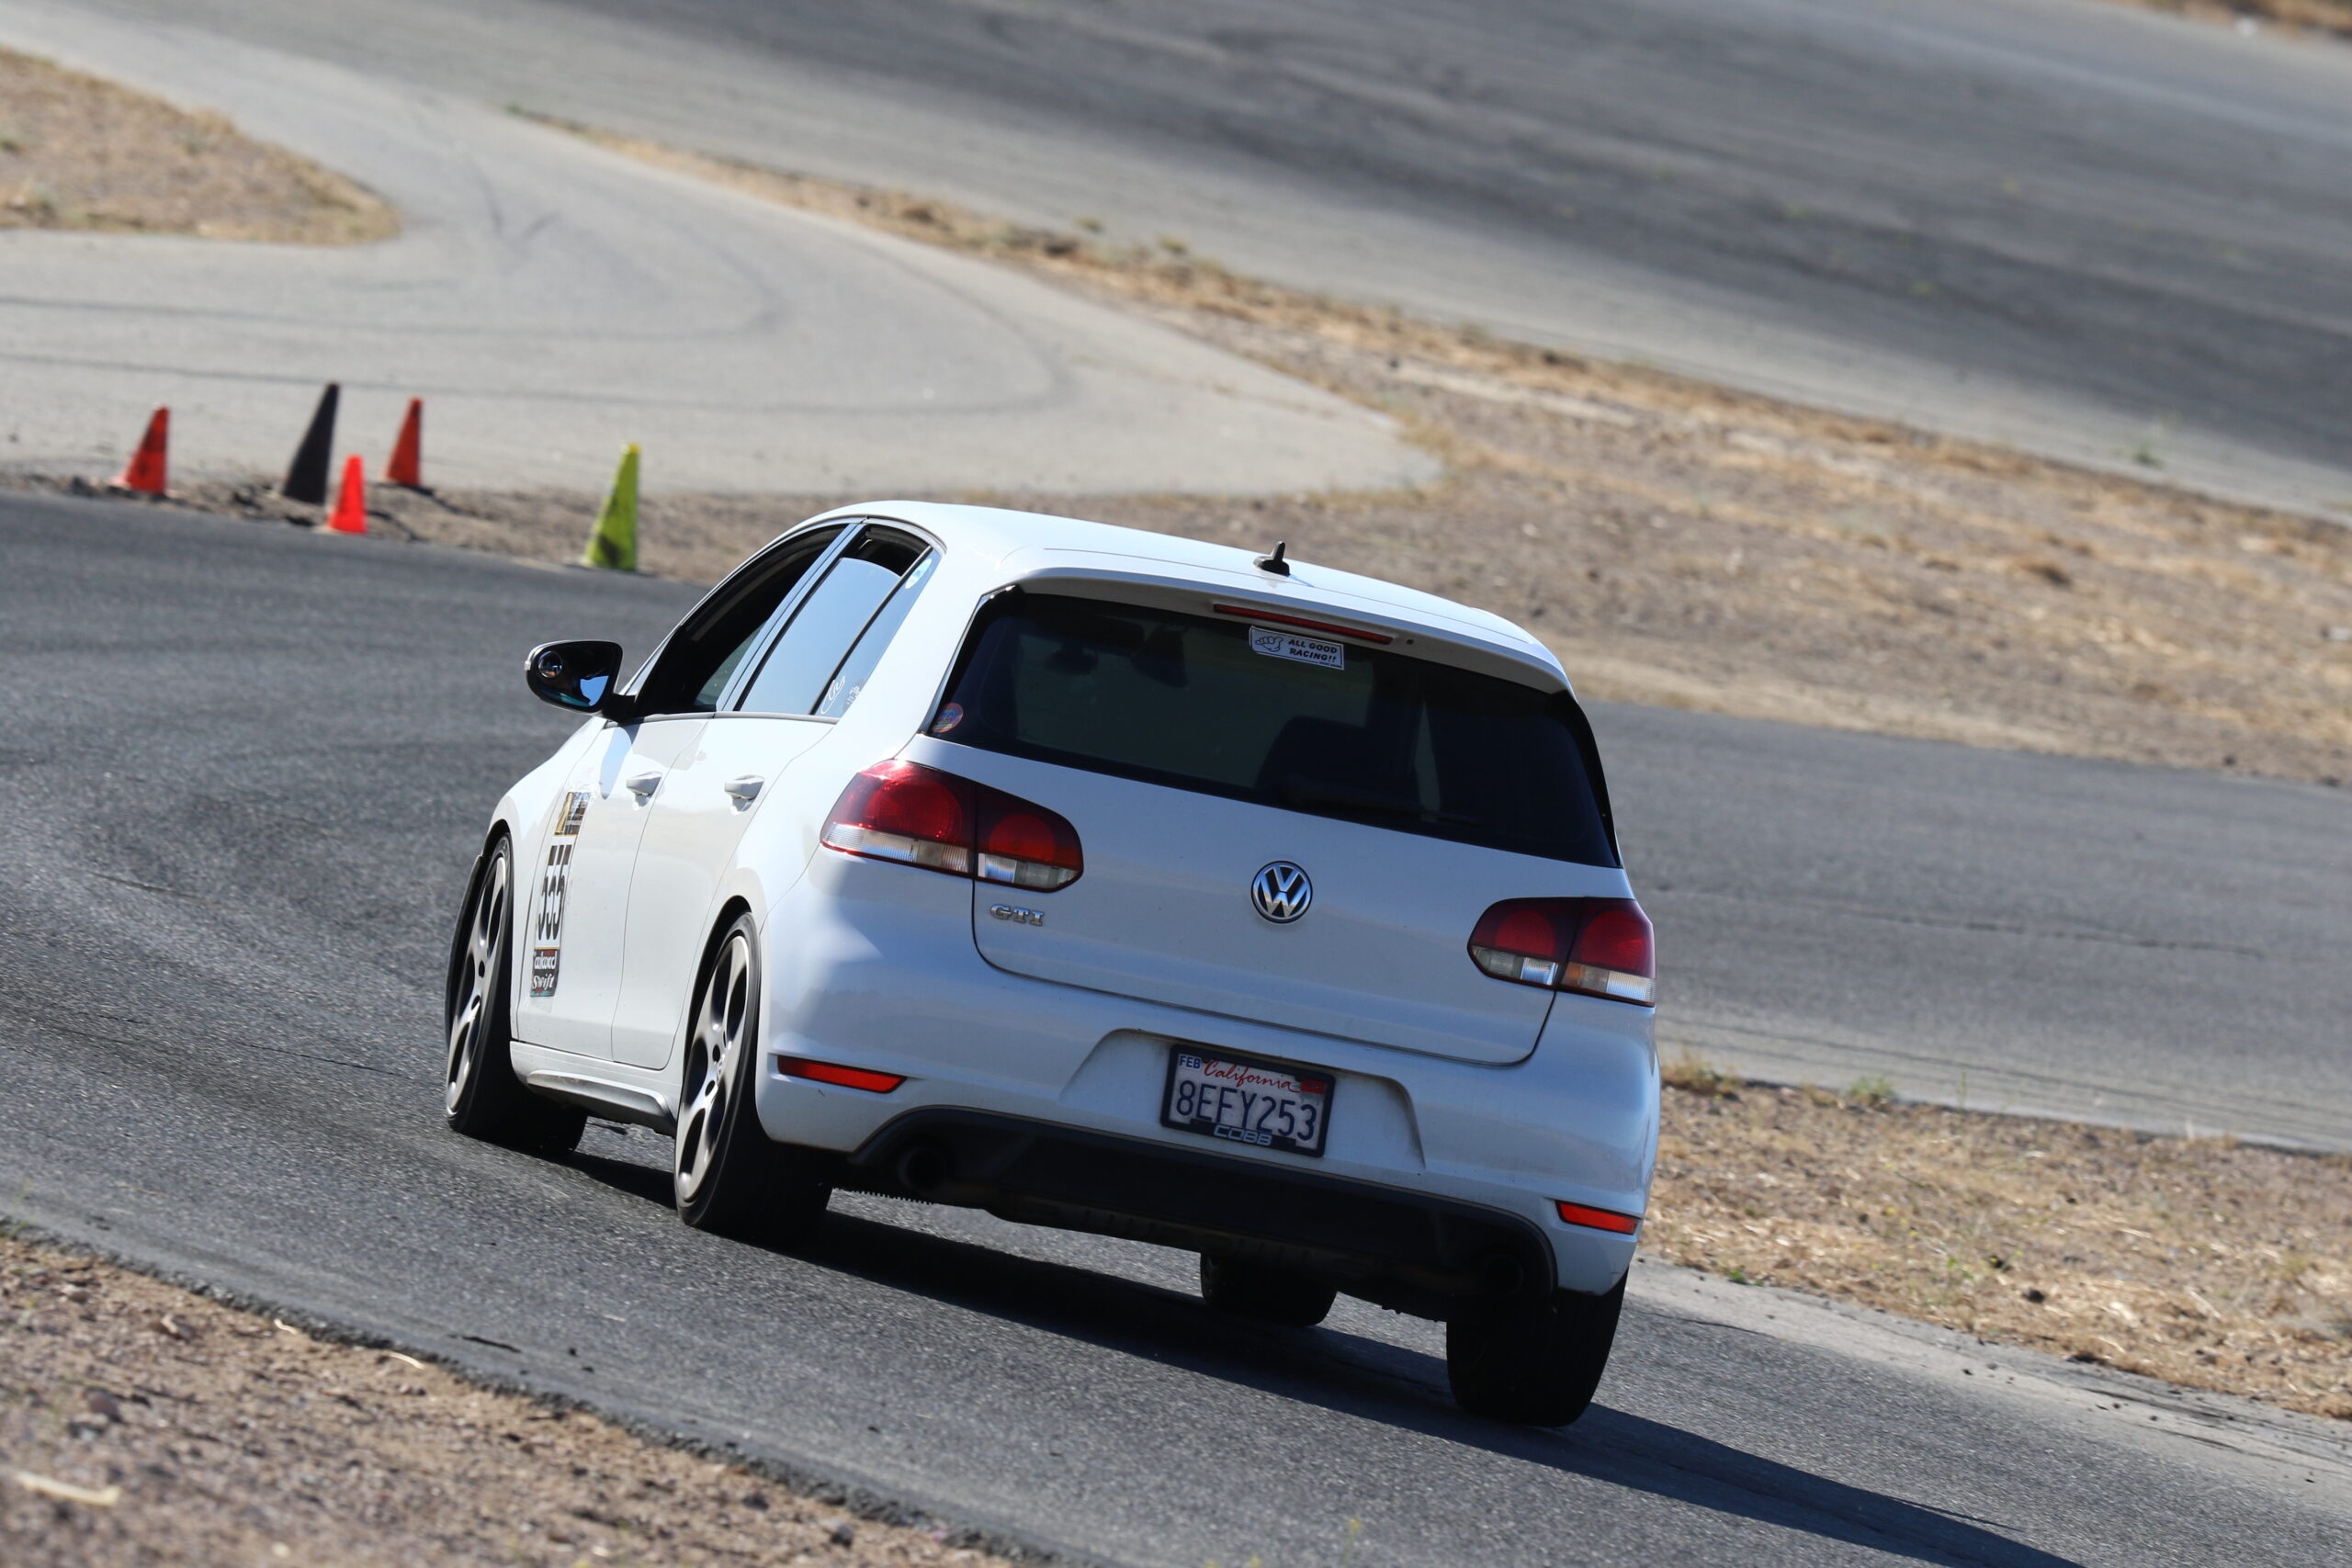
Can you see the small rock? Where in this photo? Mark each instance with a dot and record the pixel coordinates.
(843, 1535)
(758, 1500)
(101, 1402)
(2337, 634)
(2036, 1297)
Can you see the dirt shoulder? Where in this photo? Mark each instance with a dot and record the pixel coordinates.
(79, 152)
(2326, 16)
(142, 1423)
(2205, 1263)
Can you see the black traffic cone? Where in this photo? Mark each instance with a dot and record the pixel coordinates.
(306, 477)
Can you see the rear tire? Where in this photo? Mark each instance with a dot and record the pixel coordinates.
(1270, 1294)
(728, 1176)
(480, 1095)
(1533, 1363)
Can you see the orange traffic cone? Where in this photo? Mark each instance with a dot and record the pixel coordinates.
(406, 466)
(144, 472)
(350, 515)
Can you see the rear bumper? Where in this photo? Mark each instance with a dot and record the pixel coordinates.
(873, 966)
(1415, 1252)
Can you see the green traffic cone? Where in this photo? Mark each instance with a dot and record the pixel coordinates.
(613, 544)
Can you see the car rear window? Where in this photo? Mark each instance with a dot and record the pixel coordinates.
(1227, 706)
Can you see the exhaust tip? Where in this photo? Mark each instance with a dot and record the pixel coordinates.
(924, 1169)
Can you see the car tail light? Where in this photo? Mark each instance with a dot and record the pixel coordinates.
(835, 1074)
(1026, 845)
(903, 811)
(1597, 947)
(1600, 1219)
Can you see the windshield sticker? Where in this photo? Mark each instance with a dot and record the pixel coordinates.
(1306, 650)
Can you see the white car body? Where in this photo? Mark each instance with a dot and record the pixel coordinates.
(1034, 1043)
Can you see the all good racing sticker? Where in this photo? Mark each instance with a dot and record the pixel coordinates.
(546, 950)
(1306, 650)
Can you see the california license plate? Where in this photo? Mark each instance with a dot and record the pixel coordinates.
(1245, 1101)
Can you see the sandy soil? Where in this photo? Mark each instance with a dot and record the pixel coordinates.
(78, 153)
(142, 1424)
(2203, 1262)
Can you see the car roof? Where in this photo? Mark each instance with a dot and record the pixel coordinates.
(1023, 543)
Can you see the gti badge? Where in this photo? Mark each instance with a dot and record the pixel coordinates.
(1018, 916)
(1281, 891)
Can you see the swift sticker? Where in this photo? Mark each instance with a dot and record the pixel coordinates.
(1306, 650)
(547, 951)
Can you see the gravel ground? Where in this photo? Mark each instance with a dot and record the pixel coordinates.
(142, 1423)
(2199, 1261)
(78, 153)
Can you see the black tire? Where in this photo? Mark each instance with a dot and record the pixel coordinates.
(481, 1097)
(1533, 1363)
(1270, 1294)
(727, 1175)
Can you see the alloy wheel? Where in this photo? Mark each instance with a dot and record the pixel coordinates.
(714, 1064)
(479, 971)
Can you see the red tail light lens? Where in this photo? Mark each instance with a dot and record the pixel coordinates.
(1597, 947)
(1026, 845)
(904, 811)
(840, 1076)
(1600, 1219)
(918, 815)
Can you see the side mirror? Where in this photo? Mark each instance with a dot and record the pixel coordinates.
(576, 676)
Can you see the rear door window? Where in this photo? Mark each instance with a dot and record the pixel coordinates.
(829, 630)
(1220, 705)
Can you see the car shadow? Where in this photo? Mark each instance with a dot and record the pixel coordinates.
(1370, 1379)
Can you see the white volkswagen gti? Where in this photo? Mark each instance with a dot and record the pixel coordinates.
(1103, 880)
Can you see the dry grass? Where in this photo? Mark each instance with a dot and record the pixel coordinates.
(140, 1424)
(79, 152)
(2202, 1262)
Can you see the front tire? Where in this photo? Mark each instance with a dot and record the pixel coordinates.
(728, 1176)
(480, 1095)
(1261, 1291)
(1533, 1363)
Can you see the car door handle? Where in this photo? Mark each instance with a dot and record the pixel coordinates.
(644, 783)
(743, 791)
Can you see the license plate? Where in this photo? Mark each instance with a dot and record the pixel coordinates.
(1265, 1104)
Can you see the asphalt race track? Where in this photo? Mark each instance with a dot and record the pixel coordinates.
(2070, 225)
(246, 771)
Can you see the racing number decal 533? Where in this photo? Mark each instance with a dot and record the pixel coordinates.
(547, 947)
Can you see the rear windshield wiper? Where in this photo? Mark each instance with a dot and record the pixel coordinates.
(1297, 791)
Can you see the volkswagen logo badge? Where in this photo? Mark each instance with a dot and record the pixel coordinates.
(1281, 891)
